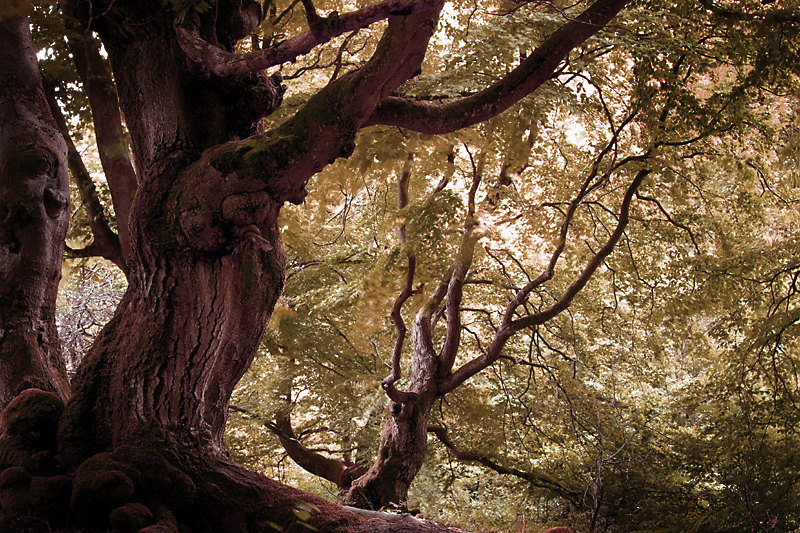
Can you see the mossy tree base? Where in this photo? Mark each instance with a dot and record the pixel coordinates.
(147, 489)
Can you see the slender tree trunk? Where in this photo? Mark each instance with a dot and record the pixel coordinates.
(34, 215)
(404, 438)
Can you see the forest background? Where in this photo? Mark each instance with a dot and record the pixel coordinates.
(658, 392)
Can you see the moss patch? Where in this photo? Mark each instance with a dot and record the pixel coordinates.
(33, 417)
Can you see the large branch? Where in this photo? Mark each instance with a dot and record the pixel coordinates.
(212, 59)
(535, 70)
(280, 159)
(111, 144)
(338, 472)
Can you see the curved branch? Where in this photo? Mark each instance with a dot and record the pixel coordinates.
(534, 71)
(337, 472)
(408, 290)
(510, 326)
(208, 58)
(331, 118)
(537, 479)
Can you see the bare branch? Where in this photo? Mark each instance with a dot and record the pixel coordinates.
(459, 270)
(408, 290)
(510, 326)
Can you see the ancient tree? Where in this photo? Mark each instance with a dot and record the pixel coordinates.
(140, 438)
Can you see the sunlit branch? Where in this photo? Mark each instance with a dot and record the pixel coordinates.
(529, 75)
(336, 471)
(215, 60)
(593, 264)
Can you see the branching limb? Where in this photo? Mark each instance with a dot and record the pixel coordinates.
(672, 221)
(532, 72)
(106, 242)
(214, 60)
(510, 325)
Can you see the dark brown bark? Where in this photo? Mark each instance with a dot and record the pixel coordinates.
(33, 221)
(206, 264)
(106, 243)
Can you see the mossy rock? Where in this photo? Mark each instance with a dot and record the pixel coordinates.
(159, 481)
(14, 452)
(130, 518)
(50, 499)
(33, 416)
(101, 485)
(15, 485)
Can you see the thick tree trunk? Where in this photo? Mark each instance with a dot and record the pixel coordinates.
(207, 268)
(33, 221)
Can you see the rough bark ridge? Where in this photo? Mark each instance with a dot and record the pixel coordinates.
(33, 221)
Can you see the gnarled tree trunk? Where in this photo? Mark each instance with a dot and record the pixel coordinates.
(34, 216)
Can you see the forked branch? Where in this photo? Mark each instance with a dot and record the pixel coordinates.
(510, 325)
(217, 61)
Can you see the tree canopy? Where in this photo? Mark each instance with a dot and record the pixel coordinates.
(557, 240)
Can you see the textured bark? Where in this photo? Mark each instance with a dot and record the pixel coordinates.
(33, 221)
(206, 262)
(404, 440)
